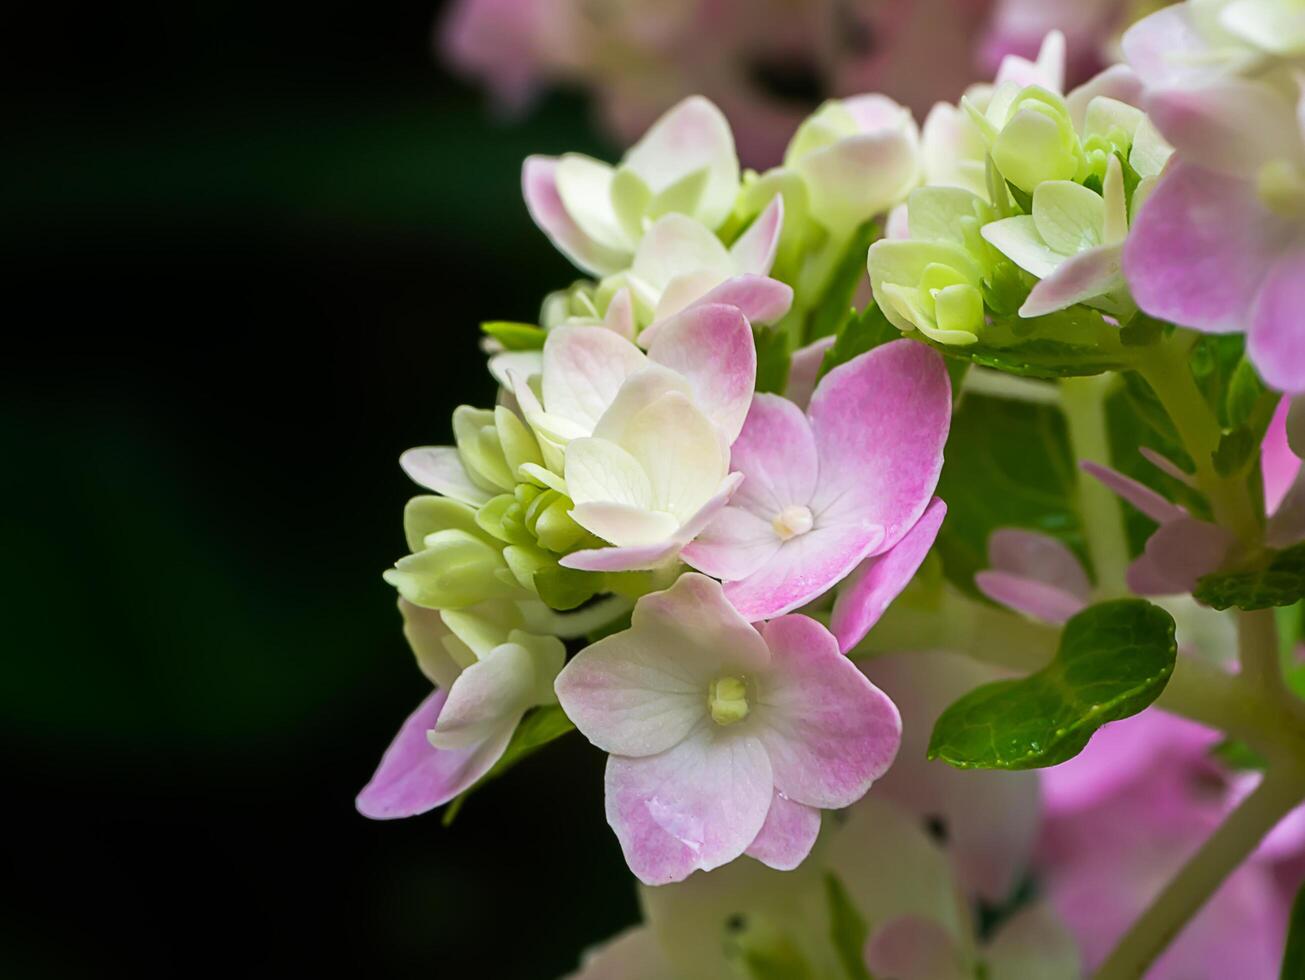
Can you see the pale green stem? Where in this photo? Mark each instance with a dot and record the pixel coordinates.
(1084, 403)
(1257, 641)
(1280, 791)
(1166, 370)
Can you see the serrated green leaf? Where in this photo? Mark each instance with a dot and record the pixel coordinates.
(1293, 957)
(828, 314)
(859, 333)
(1245, 389)
(847, 929)
(515, 336)
(773, 359)
(1279, 582)
(1114, 659)
(1008, 464)
(1070, 343)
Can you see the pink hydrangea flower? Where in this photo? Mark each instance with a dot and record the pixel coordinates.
(825, 490)
(462, 727)
(722, 738)
(1220, 243)
(1124, 816)
(1034, 574)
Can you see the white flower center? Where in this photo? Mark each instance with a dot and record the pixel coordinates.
(727, 698)
(792, 521)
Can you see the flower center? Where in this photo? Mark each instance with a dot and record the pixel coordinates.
(1281, 188)
(728, 700)
(792, 521)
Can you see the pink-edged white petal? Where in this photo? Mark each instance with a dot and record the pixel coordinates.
(619, 317)
(584, 368)
(1091, 274)
(486, 696)
(585, 187)
(870, 589)
(1117, 82)
(1232, 126)
(636, 557)
(1200, 248)
(829, 732)
(693, 135)
(759, 299)
(694, 807)
(754, 251)
(803, 370)
(712, 346)
(776, 453)
(861, 176)
(1138, 494)
(1168, 48)
(626, 526)
(915, 948)
(680, 450)
(1276, 339)
(430, 641)
(628, 694)
(803, 568)
(880, 422)
(440, 468)
(787, 836)
(539, 185)
(677, 245)
(734, 545)
(414, 777)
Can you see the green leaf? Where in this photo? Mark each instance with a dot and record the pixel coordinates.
(1238, 755)
(1114, 659)
(515, 336)
(758, 949)
(1069, 343)
(847, 929)
(859, 333)
(828, 315)
(1008, 464)
(773, 359)
(1245, 389)
(1280, 582)
(1293, 957)
(1141, 331)
(1234, 452)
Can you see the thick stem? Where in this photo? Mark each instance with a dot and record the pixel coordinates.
(1084, 403)
(1279, 791)
(1166, 370)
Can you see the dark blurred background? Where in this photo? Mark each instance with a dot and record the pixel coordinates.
(246, 248)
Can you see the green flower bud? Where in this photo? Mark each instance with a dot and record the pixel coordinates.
(455, 569)
(1030, 136)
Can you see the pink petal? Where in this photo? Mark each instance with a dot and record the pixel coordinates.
(803, 568)
(1276, 340)
(787, 836)
(584, 368)
(620, 314)
(1038, 556)
(880, 422)
(1138, 494)
(1181, 551)
(1278, 464)
(1166, 47)
(539, 184)
(879, 580)
(829, 732)
(696, 806)
(440, 468)
(1090, 274)
(733, 546)
(914, 948)
(760, 299)
(803, 369)
(776, 453)
(1200, 248)
(1029, 596)
(754, 251)
(1231, 126)
(1166, 466)
(712, 346)
(414, 777)
(635, 954)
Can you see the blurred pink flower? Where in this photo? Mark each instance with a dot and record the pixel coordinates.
(766, 63)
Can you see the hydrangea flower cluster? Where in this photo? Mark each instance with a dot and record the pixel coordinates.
(704, 525)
